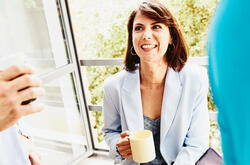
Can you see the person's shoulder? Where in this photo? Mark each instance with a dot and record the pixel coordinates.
(116, 80)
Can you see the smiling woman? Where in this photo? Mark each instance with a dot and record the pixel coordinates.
(155, 29)
(157, 91)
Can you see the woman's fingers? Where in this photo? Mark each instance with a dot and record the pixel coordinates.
(123, 142)
(125, 152)
(123, 145)
(31, 108)
(124, 149)
(127, 156)
(30, 93)
(25, 81)
(124, 134)
(35, 158)
(15, 71)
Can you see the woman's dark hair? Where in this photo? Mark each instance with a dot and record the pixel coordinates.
(177, 52)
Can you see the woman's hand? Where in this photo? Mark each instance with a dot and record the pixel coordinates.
(123, 145)
(35, 158)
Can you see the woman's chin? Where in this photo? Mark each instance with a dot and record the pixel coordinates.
(150, 59)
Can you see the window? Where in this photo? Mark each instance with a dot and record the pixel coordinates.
(40, 37)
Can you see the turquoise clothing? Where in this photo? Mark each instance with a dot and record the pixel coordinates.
(229, 57)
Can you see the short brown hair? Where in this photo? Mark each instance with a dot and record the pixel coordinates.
(177, 52)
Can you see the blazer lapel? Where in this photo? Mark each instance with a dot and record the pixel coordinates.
(171, 97)
(131, 101)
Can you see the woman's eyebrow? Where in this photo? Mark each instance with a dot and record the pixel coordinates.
(155, 22)
(139, 24)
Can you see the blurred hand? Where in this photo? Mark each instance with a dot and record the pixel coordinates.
(35, 158)
(18, 84)
(123, 145)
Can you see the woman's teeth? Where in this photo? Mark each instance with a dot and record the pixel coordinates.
(148, 46)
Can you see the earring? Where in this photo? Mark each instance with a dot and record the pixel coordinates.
(131, 51)
(173, 45)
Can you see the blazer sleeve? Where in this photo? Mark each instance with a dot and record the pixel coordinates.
(112, 122)
(197, 138)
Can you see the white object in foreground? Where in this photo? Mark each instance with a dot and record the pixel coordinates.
(142, 146)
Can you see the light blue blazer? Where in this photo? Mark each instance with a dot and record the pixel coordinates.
(184, 117)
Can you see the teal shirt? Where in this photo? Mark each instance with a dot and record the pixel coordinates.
(229, 73)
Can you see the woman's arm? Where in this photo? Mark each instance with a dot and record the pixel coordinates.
(197, 138)
(112, 122)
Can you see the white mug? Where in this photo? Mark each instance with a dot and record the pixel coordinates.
(142, 146)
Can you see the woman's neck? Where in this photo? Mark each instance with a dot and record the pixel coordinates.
(153, 74)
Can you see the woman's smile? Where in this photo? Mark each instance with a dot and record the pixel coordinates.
(148, 47)
(150, 38)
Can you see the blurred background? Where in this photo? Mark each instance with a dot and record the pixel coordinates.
(74, 46)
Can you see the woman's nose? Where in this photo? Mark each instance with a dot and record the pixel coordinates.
(147, 35)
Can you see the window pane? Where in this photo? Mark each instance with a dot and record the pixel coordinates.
(36, 34)
(94, 91)
(59, 126)
(100, 27)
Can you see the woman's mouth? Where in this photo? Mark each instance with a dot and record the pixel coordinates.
(148, 47)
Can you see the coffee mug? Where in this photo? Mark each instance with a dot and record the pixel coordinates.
(142, 146)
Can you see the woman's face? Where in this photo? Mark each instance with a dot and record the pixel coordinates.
(150, 39)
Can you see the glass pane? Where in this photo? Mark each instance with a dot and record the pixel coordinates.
(94, 91)
(36, 35)
(104, 22)
(59, 127)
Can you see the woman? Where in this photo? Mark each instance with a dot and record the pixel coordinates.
(157, 91)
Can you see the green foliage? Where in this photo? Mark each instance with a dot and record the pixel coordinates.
(101, 33)
(98, 125)
(193, 18)
(211, 105)
(96, 77)
(214, 137)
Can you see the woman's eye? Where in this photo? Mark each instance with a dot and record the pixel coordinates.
(156, 27)
(138, 28)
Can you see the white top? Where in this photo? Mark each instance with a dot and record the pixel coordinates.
(11, 152)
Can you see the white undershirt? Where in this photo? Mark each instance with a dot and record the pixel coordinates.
(11, 152)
